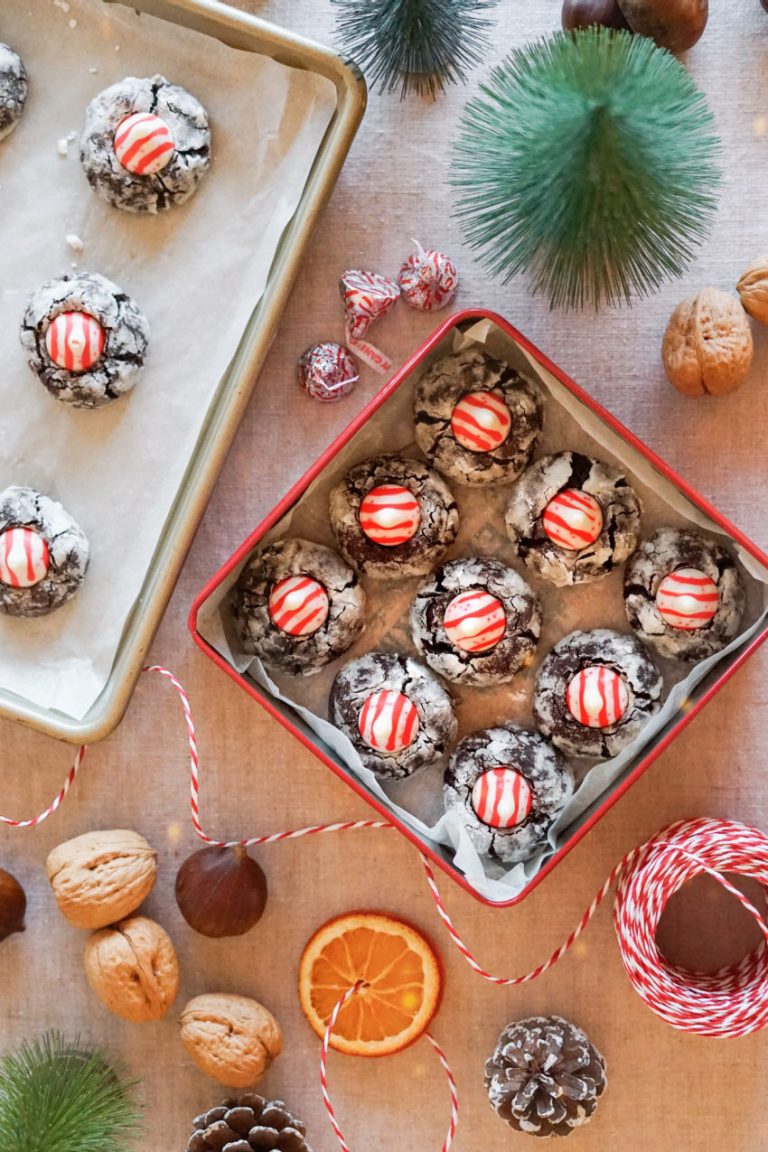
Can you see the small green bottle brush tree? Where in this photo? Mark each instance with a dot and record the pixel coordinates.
(60, 1096)
(415, 45)
(589, 162)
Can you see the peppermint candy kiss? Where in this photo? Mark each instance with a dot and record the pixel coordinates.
(428, 280)
(475, 621)
(367, 297)
(481, 421)
(298, 605)
(75, 341)
(388, 721)
(502, 798)
(390, 515)
(597, 697)
(24, 557)
(687, 598)
(573, 519)
(143, 144)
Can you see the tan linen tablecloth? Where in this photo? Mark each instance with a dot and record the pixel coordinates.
(667, 1090)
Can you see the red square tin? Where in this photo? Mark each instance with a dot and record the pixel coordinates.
(695, 701)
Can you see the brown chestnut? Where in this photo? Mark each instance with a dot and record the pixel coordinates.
(674, 24)
(221, 891)
(13, 905)
(584, 13)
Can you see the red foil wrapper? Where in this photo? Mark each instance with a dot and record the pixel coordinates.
(428, 280)
(327, 372)
(367, 296)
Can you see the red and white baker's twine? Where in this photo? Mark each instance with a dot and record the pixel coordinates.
(730, 1002)
(354, 991)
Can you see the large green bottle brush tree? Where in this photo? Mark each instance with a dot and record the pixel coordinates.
(587, 161)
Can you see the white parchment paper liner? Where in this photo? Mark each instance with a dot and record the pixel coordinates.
(417, 801)
(197, 271)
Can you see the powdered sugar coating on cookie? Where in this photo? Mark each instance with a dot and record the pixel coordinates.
(14, 87)
(57, 560)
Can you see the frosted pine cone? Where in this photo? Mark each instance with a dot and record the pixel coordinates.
(544, 1076)
(248, 1124)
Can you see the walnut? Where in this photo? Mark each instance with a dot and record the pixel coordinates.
(132, 968)
(708, 344)
(101, 877)
(753, 290)
(232, 1038)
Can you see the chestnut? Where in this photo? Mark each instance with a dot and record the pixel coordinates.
(221, 891)
(13, 905)
(674, 24)
(584, 13)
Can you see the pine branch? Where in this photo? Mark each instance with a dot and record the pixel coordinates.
(418, 45)
(587, 160)
(58, 1097)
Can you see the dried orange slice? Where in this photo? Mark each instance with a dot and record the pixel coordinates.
(399, 972)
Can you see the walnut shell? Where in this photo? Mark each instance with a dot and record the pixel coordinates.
(753, 290)
(232, 1038)
(132, 968)
(708, 344)
(101, 877)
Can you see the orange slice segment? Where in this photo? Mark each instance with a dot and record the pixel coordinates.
(399, 972)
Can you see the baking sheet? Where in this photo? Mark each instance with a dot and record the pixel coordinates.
(197, 271)
(417, 800)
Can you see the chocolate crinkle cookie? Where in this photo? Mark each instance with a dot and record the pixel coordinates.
(595, 692)
(509, 785)
(476, 621)
(85, 339)
(298, 606)
(43, 553)
(393, 516)
(396, 713)
(145, 144)
(684, 594)
(477, 420)
(573, 519)
(13, 90)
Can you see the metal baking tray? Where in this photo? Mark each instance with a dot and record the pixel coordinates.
(695, 701)
(238, 30)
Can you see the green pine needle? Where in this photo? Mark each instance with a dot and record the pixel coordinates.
(58, 1097)
(587, 160)
(419, 45)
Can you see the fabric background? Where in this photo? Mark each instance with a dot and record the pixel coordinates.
(667, 1089)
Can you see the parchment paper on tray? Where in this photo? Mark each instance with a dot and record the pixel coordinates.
(197, 271)
(417, 800)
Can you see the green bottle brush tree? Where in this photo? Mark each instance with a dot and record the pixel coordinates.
(588, 161)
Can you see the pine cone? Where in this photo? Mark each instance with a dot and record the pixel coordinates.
(248, 1124)
(544, 1076)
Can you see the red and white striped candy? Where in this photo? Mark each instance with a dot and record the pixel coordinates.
(687, 598)
(481, 421)
(298, 605)
(75, 341)
(388, 721)
(502, 798)
(24, 557)
(475, 621)
(573, 519)
(367, 297)
(597, 697)
(390, 515)
(143, 143)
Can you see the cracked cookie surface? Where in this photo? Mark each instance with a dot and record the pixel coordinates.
(491, 452)
(13, 90)
(619, 507)
(438, 517)
(294, 653)
(66, 547)
(675, 550)
(498, 635)
(546, 773)
(600, 648)
(125, 337)
(381, 672)
(179, 111)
